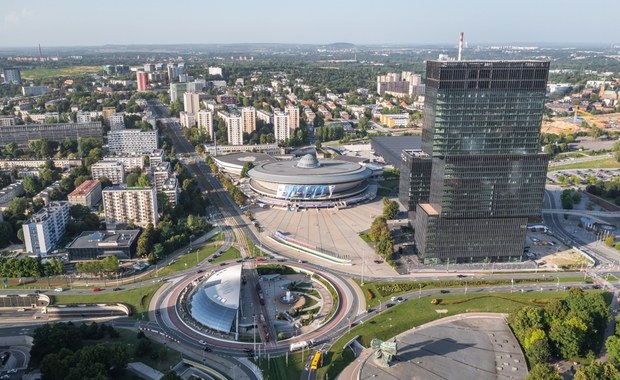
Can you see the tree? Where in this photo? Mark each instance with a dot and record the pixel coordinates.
(569, 336)
(543, 371)
(31, 185)
(246, 168)
(132, 179)
(6, 233)
(609, 240)
(613, 348)
(378, 228)
(390, 208)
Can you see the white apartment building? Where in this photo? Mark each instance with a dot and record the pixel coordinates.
(248, 114)
(281, 129)
(130, 161)
(84, 117)
(136, 204)
(170, 188)
(215, 71)
(293, 117)
(187, 120)
(5, 121)
(112, 170)
(45, 228)
(160, 174)
(264, 116)
(234, 125)
(205, 121)
(132, 141)
(191, 103)
(156, 157)
(117, 121)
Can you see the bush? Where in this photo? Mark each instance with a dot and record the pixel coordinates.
(369, 294)
(435, 301)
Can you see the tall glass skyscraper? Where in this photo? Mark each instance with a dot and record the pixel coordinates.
(481, 142)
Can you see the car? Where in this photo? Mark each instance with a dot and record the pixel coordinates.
(444, 291)
(460, 275)
(37, 292)
(240, 260)
(96, 290)
(281, 260)
(378, 261)
(393, 299)
(389, 305)
(202, 342)
(210, 260)
(199, 271)
(5, 377)
(400, 299)
(596, 286)
(117, 289)
(13, 370)
(59, 290)
(248, 350)
(222, 264)
(208, 349)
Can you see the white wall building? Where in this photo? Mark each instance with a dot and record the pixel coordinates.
(132, 141)
(45, 228)
(124, 205)
(187, 120)
(205, 121)
(248, 114)
(112, 170)
(293, 117)
(191, 102)
(234, 125)
(281, 128)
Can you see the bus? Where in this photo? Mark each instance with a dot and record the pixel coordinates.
(315, 361)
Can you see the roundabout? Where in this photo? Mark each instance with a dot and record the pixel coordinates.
(297, 305)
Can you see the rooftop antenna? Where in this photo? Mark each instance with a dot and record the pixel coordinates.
(460, 46)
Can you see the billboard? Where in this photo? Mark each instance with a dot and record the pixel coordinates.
(307, 192)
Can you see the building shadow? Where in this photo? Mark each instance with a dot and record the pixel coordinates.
(430, 348)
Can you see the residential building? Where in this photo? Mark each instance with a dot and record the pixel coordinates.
(191, 103)
(215, 71)
(481, 133)
(87, 194)
(130, 160)
(35, 90)
(9, 193)
(177, 90)
(160, 174)
(248, 114)
(116, 121)
(187, 120)
(43, 230)
(136, 204)
(12, 75)
(271, 149)
(156, 157)
(293, 117)
(395, 120)
(264, 116)
(61, 163)
(399, 84)
(234, 125)
(83, 117)
(94, 245)
(114, 171)
(21, 134)
(46, 194)
(142, 81)
(6, 121)
(196, 86)
(281, 128)
(205, 121)
(171, 190)
(132, 141)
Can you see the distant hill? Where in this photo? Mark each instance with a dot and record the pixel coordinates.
(341, 45)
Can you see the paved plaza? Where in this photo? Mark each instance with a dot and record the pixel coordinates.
(330, 230)
(460, 347)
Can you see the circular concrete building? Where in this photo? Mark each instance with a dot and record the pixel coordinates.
(308, 182)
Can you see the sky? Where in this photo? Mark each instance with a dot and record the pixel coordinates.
(94, 23)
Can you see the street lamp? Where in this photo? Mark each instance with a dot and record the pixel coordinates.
(558, 285)
(420, 291)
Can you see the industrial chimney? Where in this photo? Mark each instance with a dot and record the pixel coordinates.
(460, 46)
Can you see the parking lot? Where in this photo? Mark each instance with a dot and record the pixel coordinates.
(583, 175)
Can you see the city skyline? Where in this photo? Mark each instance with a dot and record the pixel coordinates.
(74, 23)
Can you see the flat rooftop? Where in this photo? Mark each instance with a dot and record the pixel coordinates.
(429, 209)
(101, 239)
(85, 188)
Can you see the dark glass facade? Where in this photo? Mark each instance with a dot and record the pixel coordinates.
(482, 129)
(414, 186)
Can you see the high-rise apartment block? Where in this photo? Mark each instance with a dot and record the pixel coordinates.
(479, 178)
(205, 121)
(12, 75)
(87, 194)
(43, 230)
(281, 128)
(156, 157)
(234, 126)
(160, 174)
(191, 102)
(136, 204)
(114, 171)
(132, 141)
(187, 120)
(248, 114)
(293, 117)
(399, 84)
(142, 80)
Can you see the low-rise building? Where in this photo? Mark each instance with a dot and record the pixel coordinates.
(87, 194)
(93, 245)
(46, 194)
(45, 228)
(130, 160)
(9, 193)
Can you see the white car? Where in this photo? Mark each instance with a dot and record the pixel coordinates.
(59, 290)
(202, 342)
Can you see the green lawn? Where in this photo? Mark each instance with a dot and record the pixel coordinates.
(409, 314)
(231, 253)
(42, 73)
(138, 299)
(366, 237)
(605, 163)
(188, 260)
(374, 295)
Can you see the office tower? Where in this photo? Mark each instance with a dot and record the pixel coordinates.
(293, 117)
(191, 102)
(205, 121)
(281, 129)
(248, 114)
(12, 75)
(45, 228)
(141, 77)
(135, 204)
(481, 135)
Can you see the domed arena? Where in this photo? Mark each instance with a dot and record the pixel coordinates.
(310, 183)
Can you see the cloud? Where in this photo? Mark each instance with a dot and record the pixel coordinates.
(16, 17)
